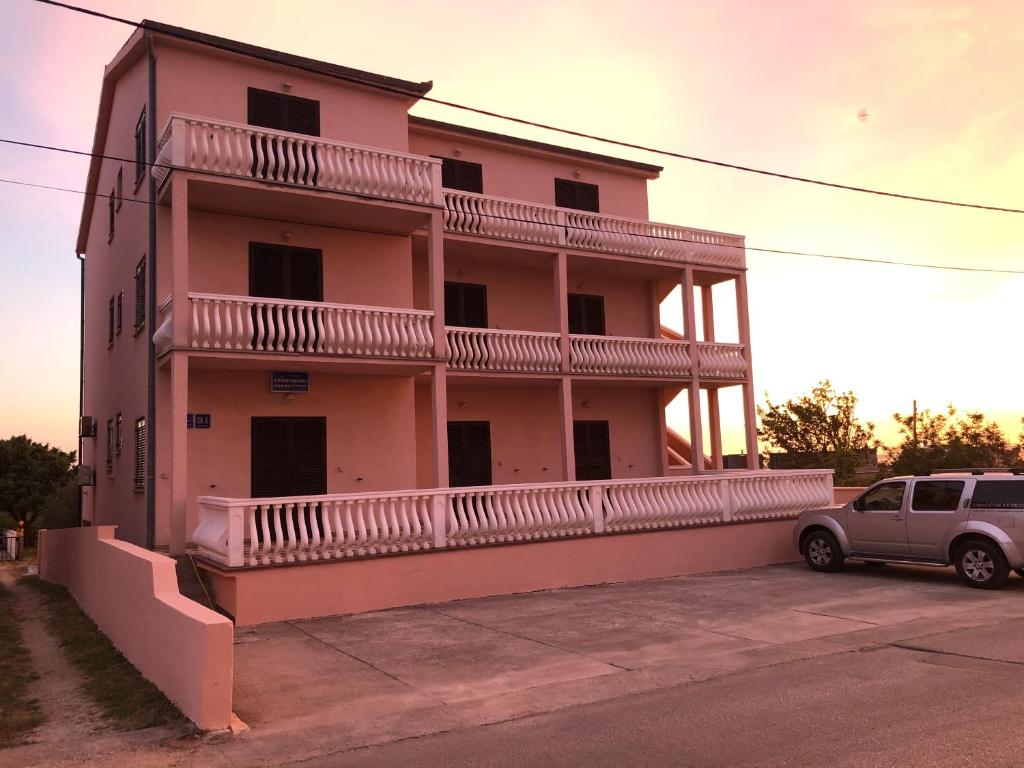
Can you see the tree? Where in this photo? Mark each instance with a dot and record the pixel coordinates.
(950, 441)
(34, 481)
(821, 429)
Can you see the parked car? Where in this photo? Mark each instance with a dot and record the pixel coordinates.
(970, 519)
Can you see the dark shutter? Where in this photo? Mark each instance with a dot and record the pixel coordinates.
(465, 305)
(110, 321)
(462, 174)
(304, 274)
(593, 450)
(576, 194)
(140, 294)
(283, 272)
(289, 457)
(586, 314)
(282, 112)
(140, 147)
(120, 310)
(469, 453)
(140, 454)
(111, 210)
(266, 271)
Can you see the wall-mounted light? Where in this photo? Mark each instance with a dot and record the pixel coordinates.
(585, 404)
(457, 152)
(286, 236)
(286, 85)
(576, 174)
(288, 398)
(463, 405)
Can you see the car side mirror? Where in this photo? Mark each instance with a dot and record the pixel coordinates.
(858, 505)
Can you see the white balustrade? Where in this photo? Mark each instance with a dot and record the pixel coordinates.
(621, 355)
(252, 532)
(236, 149)
(272, 325)
(721, 361)
(489, 349)
(475, 214)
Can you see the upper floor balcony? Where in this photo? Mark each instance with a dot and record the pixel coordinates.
(237, 150)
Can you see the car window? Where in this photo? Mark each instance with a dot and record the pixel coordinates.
(887, 497)
(937, 495)
(998, 494)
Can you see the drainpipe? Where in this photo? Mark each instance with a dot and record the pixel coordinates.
(81, 369)
(151, 305)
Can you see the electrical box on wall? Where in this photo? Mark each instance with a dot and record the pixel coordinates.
(86, 426)
(86, 475)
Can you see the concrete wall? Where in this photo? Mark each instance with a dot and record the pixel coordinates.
(847, 493)
(185, 649)
(279, 593)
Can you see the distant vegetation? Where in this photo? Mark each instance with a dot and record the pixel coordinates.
(37, 485)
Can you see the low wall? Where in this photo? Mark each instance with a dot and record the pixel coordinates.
(132, 594)
(845, 493)
(277, 593)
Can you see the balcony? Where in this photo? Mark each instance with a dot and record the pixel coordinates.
(243, 151)
(252, 324)
(721, 361)
(488, 349)
(259, 532)
(467, 213)
(617, 355)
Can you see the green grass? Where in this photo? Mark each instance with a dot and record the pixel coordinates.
(19, 713)
(128, 699)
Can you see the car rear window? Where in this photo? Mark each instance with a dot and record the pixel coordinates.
(998, 494)
(937, 495)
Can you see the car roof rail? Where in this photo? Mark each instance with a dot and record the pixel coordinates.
(978, 471)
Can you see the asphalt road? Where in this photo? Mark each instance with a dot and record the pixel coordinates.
(951, 699)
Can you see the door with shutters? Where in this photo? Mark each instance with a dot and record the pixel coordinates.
(284, 272)
(593, 450)
(289, 456)
(465, 305)
(586, 314)
(272, 156)
(469, 453)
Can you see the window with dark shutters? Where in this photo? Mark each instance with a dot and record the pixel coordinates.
(140, 147)
(111, 211)
(465, 305)
(120, 311)
(110, 322)
(586, 314)
(289, 456)
(110, 446)
(140, 454)
(461, 174)
(120, 187)
(282, 112)
(576, 194)
(284, 272)
(118, 434)
(140, 294)
(469, 453)
(593, 450)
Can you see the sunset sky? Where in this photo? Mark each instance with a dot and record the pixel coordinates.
(775, 85)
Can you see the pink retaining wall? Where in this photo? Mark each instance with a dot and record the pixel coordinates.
(304, 591)
(846, 493)
(132, 594)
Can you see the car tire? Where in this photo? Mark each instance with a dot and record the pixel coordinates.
(1020, 572)
(981, 564)
(822, 552)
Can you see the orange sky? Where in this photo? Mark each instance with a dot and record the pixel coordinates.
(776, 85)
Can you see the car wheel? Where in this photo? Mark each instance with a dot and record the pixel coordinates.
(981, 564)
(822, 552)
(1020, 572)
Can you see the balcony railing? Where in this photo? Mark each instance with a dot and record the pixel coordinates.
(473, 214)
(248, 532)
(245, 151)
(721, 361)
(629, 356)
(489, 349)
(255, 324)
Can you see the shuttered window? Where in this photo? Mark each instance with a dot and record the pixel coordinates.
(586, 314)
(469, 453)
(465, 305)
(593, 450)
(576, 194)
(289, 456)
(140, 147)
(118, 434)
(283, 272)
(140, 294)
(111, 211)
(461, 174)
(140, 454)
(120, 187)
(110, 322)
(119, 321)
(283, 112)
(110, 446)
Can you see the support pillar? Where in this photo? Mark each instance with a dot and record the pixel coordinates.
(690, 333)
(435, 281)
(179, 453)
(661, 401)
(439, 417)
(180, 312)
(562, 307)
(749, 406)
(568, 444)
(715, 426)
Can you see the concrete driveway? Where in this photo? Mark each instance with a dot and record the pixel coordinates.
(327, 686)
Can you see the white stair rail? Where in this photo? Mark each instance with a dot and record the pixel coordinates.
(266, 532)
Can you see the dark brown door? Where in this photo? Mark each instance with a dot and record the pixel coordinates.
(593, 450)
(586, 314)
(469, 453)
(289, 456)
(465, 305)
(282, 112)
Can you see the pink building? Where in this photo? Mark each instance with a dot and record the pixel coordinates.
(318, 327)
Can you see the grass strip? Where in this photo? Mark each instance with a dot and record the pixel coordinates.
(20, 714)
(124, 695)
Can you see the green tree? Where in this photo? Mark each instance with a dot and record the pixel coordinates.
(36, 480)
(821, 430)
(950, 441)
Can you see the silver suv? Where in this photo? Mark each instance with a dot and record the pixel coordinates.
(971, 519)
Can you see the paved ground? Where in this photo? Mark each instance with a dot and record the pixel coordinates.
(773, 666)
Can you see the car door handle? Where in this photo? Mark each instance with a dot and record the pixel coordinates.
(896, 518)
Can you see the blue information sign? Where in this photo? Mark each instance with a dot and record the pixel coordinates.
(289, 381)
(198, 421)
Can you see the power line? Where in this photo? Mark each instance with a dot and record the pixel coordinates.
(567, 131)
(782, 251)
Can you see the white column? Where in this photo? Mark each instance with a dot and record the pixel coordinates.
(435, 282)
(179, 262)
(179, 453)
(439, 415)
(562, 307)
(749, 407)
(568, 445)
(690, 332)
